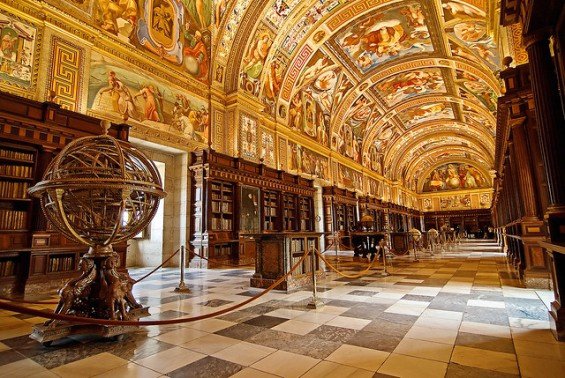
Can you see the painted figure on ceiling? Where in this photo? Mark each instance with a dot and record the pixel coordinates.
(196, 54)
(461, 9)
(255, 58)
(200, 10)
(295, 112)
(163, 19)
(312, 71)
(385, 38)
(273, 80)
(410, 84)
(117, 16)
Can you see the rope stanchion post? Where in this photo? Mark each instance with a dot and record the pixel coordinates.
(382, 244)
(336, 245)
(315, 302)
(182, 288)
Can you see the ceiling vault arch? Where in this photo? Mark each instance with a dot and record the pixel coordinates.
(372, 80)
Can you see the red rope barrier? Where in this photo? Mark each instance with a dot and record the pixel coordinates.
(83, 320)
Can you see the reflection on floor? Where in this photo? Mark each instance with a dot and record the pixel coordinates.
(463, 314)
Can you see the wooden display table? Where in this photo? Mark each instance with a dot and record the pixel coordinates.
(278, 252)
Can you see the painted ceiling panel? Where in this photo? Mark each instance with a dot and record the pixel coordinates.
(360, 76)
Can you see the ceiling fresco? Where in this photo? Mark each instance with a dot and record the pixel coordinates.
(397, 86)
(410, 84)
(384, 36)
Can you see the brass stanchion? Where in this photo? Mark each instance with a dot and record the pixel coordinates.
(382, 243)
(336, 245)
(182, 288)
(315, 302)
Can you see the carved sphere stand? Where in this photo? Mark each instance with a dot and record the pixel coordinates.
(98, 191)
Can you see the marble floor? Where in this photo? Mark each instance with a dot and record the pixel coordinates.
(461, 314)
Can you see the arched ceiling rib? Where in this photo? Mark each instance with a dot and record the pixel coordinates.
(361, 76)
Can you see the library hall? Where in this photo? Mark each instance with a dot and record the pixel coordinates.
(282, 188)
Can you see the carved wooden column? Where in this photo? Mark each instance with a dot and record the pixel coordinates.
(551, 125)
(536, 270)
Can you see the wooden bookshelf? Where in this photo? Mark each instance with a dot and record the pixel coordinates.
(375, 208)
(221, 203)
(270, 211)
(252, 197)
(340, 213)
(306, 216)
(34, 256)
(17, 173)
(289, 212)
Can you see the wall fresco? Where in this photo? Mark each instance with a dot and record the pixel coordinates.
(117, 90)
(17, 50)
(304, 160)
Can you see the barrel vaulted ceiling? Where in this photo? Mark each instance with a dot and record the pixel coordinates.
(398, 86)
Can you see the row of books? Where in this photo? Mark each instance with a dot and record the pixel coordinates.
(10, 154)
(61, 264)
(24, 171)
(289, 226)
(12, 219)
(222, 250)
(297, 245)
(218, 197)
(269, 226)
(225, 207)
(221, 224)
(271, 211)
(7, 268)
(13, 189)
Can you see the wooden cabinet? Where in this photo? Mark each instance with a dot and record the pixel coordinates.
(289, 212)
(17, 174)
(34, 256)
(340, 213)
(270, 211)
(222, 205)
(374, 208)
(306, 216)
(278, 253)
(233, 198)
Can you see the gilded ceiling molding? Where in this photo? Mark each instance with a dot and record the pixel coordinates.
(396, 165)
(239, 45)
(437, 157)
(372, 134)
(405, 158)
(441, 126)
(402, 149)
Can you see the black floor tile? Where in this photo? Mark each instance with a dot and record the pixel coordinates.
(207, 367)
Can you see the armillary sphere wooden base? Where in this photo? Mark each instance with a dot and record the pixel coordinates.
(100, 292)
(46, 334)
